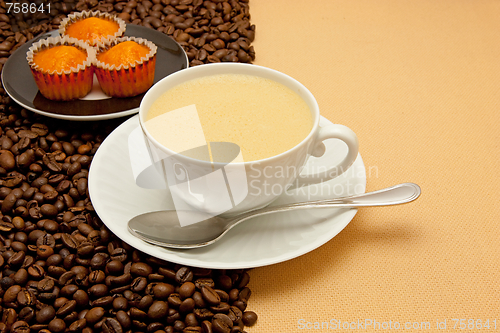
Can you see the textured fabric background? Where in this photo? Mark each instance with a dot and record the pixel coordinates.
(419, 82)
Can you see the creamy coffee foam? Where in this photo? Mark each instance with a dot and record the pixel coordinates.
(264, 117)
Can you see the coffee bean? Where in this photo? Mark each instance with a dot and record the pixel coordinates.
(206, 326)
(221, 323)
(54, 260)
(212, 59)
(224, 297)
(172, 316)
(244, 294)
(218, 44)
(45, 314)
(82, 280)
(204, 282)
(39, 129)
(187, 305)
(26, 298)
(141, 269)
(26, 314)
(57, 325)
(7, 205)
(20, 327)
(105, 301)
(46, 239)
(9, 317)
(210, 295)
(85, 249)
(235, 314)
(137, 314)
(219, 54)
(120, 303)
(73, 316)
(44, 251)
(77, 325)
(48, 210)
(187, 289)
(67, 308)
(47, 297)
(114, 267)
(169, 274)
(249, 318)
(36, 271)
(163, 290)
(155, 277)
(184, 274)
(98, 290)
(198, 299)
(174, 300)
(119, 254)
(94, 315)
(84, 228)
(179, 326)
(158, 310)
(11, 293)
(51, 163)
(68, 290)
(237, 329)
(17, 259)
(81, 297)
(122, 279)
(112, 325)
(191, 320)
(66, 278)
(68, 241)
(123, 318)
(7, 160)
(139, 284)
(222, 307)
(97, 277)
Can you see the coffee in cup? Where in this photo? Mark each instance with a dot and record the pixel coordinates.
(263, 117)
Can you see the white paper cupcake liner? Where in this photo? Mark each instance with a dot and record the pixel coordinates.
(56, 41)
(75, 17)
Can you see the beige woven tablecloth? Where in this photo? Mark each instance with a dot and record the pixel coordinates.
(419, 82)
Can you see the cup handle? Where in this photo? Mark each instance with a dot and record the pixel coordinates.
(340, 132)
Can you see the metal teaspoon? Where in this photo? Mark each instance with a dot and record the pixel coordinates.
(162, 228)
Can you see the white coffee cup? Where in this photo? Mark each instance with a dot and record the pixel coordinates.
(237, 186)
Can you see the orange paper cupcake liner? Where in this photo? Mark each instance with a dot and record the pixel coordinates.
(62, 85)
(126, 80)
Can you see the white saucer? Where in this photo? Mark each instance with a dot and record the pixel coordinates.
(258, 242)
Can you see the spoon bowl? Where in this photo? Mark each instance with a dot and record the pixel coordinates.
(162, 228)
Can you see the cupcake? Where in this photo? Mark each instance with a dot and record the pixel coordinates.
(62, 67)
(125, 67)
(92, 27)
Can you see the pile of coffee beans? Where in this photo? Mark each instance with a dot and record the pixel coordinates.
(61, 269)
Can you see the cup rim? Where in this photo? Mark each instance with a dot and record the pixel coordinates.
(303, 92)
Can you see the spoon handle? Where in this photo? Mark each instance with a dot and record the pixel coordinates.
(394, 195)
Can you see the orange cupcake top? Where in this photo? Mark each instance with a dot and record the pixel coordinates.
(124, 53)
(59, 58)
(91, 29)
